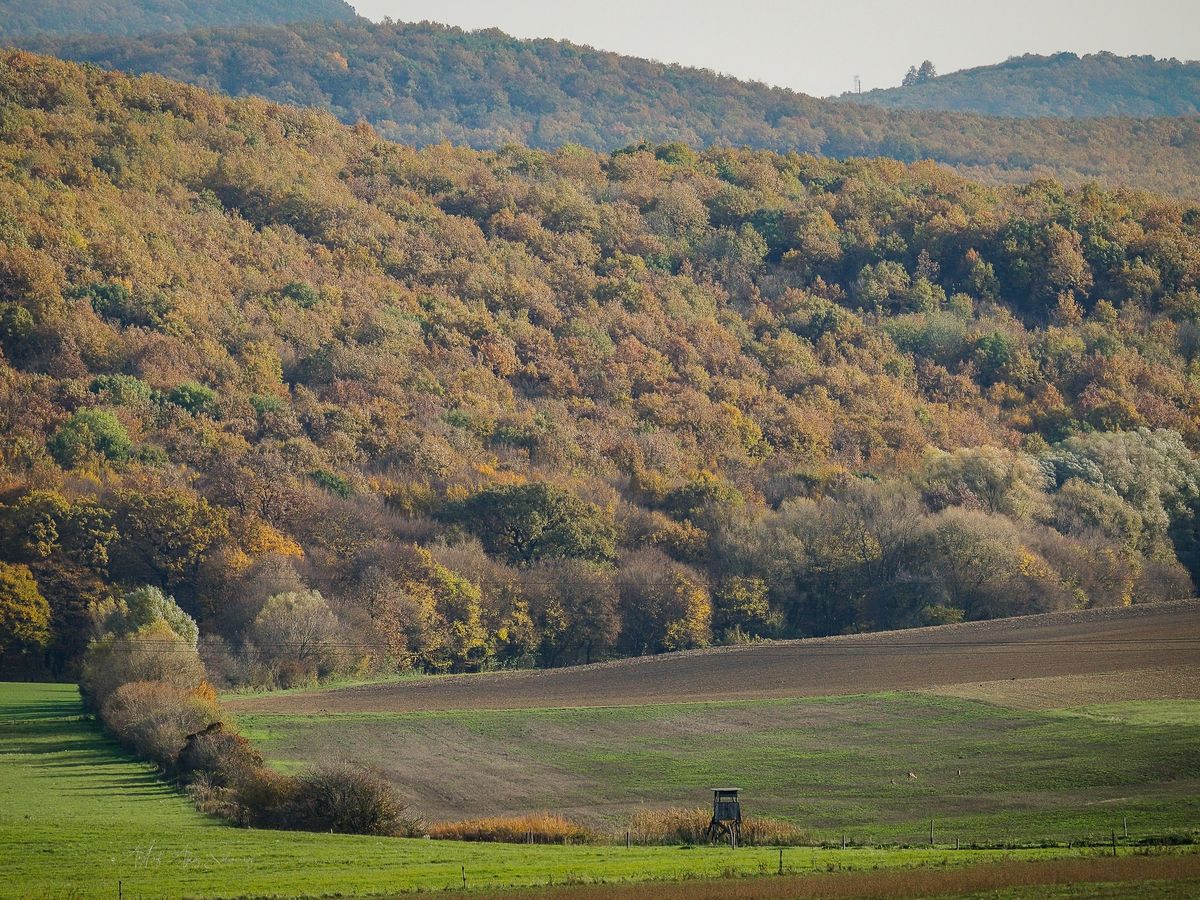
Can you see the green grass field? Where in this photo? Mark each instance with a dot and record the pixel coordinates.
(834, 766)
(77, 816)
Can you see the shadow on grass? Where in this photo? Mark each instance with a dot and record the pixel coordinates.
(56, 743)
(58, 735)
(15, 712)
(128, 791)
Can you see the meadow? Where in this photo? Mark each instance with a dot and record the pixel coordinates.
(876, 767)
(77, 816)
(1084, 723)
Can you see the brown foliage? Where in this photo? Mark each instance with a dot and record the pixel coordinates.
(153, 654)
(221, 756)
(537, 828)
(154, 718)
(332, 344)
(346, 800)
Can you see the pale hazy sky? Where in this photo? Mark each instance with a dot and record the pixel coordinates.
(818, 47)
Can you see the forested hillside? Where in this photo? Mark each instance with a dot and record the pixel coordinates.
(1099, 84)
(129, 17)
(423, 84)
(361, 406)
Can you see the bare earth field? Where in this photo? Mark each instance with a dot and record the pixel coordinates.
(1161, 639)
(1056, 691)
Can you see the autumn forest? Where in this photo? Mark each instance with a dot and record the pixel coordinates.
(360, 407)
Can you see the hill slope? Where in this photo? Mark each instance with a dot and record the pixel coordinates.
(129, 17)
(470, 409)
(422, 84)
(1064, 84)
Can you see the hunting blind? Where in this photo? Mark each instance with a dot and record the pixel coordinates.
(727, 816)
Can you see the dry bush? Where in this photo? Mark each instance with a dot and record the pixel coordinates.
(224, 666)
(221, 757)
(690, 826)
(347, 800)
(539, 828)
(1163, 579)
(264, 798)
(155, 718)
(217, 801)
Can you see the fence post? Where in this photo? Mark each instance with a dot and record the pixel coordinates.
(931, 832)
(120, 890)
(843, 841)
(1114, 837)
(780, 860)
(464, 875)
(1125, 822)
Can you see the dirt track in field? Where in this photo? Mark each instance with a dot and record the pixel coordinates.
(1160, 637)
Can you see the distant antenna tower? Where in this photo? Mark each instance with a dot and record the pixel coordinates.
(857, 85)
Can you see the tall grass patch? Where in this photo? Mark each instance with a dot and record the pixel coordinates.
(537, 828)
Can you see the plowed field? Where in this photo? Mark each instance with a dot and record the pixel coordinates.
(1059, 645)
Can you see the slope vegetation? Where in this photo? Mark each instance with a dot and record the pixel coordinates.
(426, 83)
(130, 17)
(1100, 84)
(362, 407)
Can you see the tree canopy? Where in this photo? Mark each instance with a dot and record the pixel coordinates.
(130, 17)
(1059, 85)
(422, 84)
(24, 612)
(526, 523)
(454, 409)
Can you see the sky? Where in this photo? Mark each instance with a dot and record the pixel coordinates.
(819, 47)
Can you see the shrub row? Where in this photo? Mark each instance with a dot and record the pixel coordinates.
(147, 685)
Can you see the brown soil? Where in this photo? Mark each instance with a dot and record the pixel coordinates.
(1134, 877)
(1059, 691)
(1161, 637)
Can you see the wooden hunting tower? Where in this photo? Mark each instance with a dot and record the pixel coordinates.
(727, 816)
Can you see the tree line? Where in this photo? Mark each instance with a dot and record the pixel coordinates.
(1062, 84)
(425, 83)
(132, 17)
